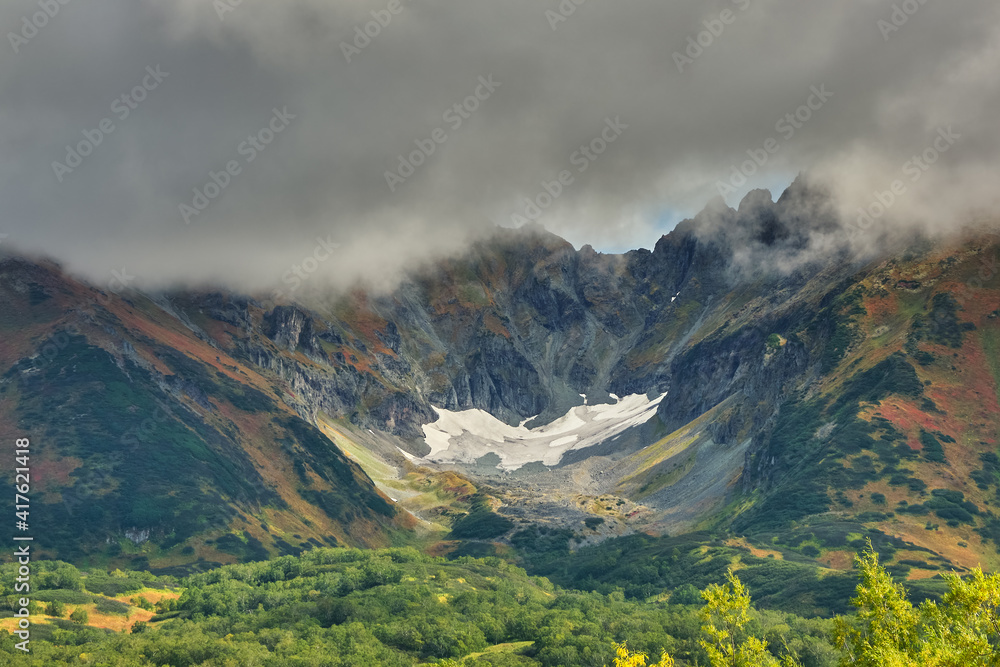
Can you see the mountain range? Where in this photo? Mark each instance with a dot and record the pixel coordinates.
(740, 379)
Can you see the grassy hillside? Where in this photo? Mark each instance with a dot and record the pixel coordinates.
(155, 450)
(803, 408)
(899, 434)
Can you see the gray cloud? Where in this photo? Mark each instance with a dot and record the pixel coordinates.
(324, 175)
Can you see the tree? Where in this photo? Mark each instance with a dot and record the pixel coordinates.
(884, 631)
(56, 608)
(964, 629)
(142, 603)
(165, 605)
(626, 658)
(726, 612)
(80, 616)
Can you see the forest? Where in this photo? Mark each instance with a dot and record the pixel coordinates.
(400, 607)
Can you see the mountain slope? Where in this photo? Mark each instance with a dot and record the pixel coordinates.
(806, 395)
(147, 441)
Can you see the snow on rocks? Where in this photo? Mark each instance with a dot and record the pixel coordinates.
(465, 436)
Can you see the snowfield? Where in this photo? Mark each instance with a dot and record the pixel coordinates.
(464, 437)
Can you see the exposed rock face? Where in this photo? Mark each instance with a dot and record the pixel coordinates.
(286, 325)
(234, 310)
(524, 324)
(729, 314)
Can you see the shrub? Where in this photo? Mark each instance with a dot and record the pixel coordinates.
(113, 586)
(56, 608)
(112, 607)
(932, 449)
(481, 525)
(66, 597)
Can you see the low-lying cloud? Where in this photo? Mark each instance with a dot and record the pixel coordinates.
(391, 150)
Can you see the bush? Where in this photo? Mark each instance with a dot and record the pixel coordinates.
(112, 607)
(481, 525)
(894, 375)
(66, 597)
(941, 326)
(56, 608)
(932, 449)
(80, 616)
(113, 587)
(686, 594)
(900, 479)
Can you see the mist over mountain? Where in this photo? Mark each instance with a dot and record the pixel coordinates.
(751, 357)
(500, 334)
(699, 106)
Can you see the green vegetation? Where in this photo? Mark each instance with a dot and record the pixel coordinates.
(641, 567)
(388, 608)
(114, 584)
(821, 447)
(144, 467)
(56, 609)
(932, 449)
(894, 375)
(398, 607)
(160, 473)
(941, 325)
(963, 629)
(948, 505)
(840, 317)
(481, 523)
(989, 475)
(725, 617)
(112, 607)
(886, 631)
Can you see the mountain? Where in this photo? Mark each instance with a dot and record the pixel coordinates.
(144, 433)
(732, 379)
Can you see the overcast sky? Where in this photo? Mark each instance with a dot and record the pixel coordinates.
(669, 117)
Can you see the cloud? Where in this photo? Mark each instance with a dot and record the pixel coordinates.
(560, 82)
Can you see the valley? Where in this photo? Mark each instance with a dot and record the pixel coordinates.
(660, 393)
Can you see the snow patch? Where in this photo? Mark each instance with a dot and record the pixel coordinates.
(568, 440)
(408, 455)
(464, 437)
